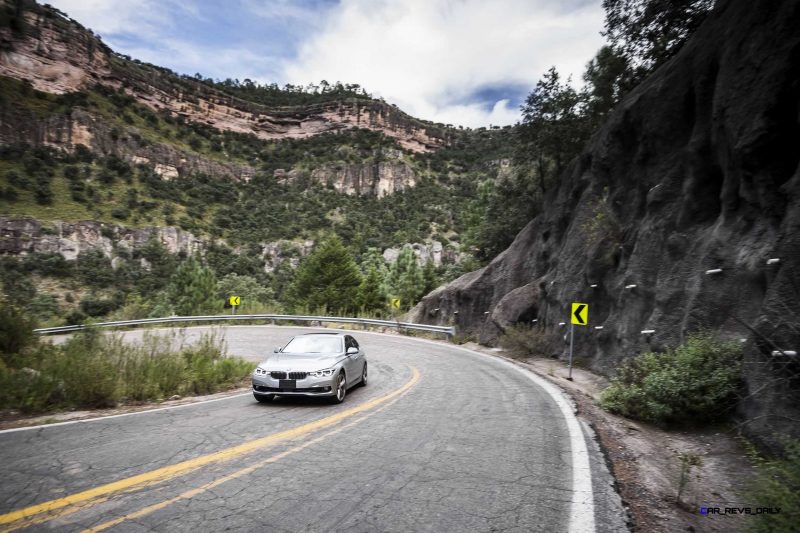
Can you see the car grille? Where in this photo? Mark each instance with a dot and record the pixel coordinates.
(292, 375)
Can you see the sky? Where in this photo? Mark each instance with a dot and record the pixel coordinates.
(461, 62)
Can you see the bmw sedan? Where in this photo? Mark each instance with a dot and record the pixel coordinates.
(314, 364)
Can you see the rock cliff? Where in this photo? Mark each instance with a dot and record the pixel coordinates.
(56, 54)
(681, 214)
(22, 236)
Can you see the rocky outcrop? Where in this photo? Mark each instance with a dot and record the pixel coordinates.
(57, 55)
(52, 52)
(83, 128)
(22, 236)
(697, 170)
(277, 252)
(379, 178)
(430, 251)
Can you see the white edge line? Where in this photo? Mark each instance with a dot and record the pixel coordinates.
(581, 517)
(108, 417)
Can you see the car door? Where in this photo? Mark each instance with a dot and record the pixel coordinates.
(352, 365)
(359, 359)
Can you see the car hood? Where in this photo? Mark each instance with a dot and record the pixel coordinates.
(304, 362)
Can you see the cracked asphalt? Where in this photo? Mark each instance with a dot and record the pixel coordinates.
(440, 440)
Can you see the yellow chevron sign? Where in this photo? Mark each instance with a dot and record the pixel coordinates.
(235, 300)
(580, 314)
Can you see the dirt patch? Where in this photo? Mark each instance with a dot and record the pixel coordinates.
(646, 460)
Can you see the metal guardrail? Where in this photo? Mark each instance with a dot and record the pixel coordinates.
(447, 330)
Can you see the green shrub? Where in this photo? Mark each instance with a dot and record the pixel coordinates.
(16, 332)
(692, 383)
(777, 485)
(98, 370)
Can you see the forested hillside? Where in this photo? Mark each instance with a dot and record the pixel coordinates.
(97, 173)
(106, 161)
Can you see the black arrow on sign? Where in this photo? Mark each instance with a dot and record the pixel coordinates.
(578, 312)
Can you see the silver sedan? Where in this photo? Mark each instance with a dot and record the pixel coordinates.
(314, 364)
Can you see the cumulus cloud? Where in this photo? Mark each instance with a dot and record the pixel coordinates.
(430, 57)
(463, 62)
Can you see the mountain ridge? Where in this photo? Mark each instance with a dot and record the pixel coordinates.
(58, 55)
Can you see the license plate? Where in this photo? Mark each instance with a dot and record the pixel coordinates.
(287, 383)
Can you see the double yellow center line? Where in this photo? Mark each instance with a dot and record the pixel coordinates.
(53, 508)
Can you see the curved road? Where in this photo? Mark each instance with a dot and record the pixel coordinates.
(442, 439)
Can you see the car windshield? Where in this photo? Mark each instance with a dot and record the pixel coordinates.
(314, 344)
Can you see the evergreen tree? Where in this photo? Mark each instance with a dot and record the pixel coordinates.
(371, 295)
(327, 280)
(430, 279)
(254, 295)
(648, 32)
(406, 279)
(192, 289)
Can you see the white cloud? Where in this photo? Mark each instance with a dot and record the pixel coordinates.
(429, 56)
(145, 18)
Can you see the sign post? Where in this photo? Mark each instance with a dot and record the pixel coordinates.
(234, 302)
(579, 316)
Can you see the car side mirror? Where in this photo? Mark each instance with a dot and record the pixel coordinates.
(276, 349)
(352, 350)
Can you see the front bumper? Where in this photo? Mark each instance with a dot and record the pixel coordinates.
(264, 384)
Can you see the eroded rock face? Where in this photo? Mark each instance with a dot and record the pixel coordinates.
(57, 55)
(22, 236)
(379, 179)
(429, 251)
(696, 170)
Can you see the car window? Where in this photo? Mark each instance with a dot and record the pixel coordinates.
(314, 344)
(354, 342)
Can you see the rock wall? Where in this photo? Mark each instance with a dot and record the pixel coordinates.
(696, 170)
(379, 178)
(433, 251)
(22, 236)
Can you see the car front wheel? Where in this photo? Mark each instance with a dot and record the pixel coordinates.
(341, 388)
(364, 376)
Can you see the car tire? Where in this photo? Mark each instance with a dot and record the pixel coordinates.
(364, 376)
(341, 388)
(263, 398)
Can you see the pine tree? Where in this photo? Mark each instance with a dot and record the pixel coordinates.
(430, 279)
(371, 296)
(327, 280)
(192, 289)
(406, 279)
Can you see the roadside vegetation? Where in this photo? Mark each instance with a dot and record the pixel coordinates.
(777, 485)
(100, 370)
(696, 382)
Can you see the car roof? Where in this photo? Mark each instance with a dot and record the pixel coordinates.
(337, 334)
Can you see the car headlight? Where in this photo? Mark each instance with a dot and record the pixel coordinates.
(328, 372)
(260, 371)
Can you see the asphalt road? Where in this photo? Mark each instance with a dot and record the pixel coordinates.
(442, 439)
